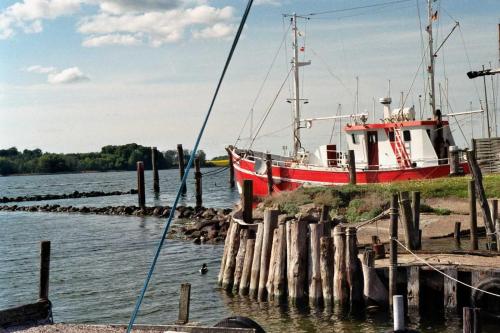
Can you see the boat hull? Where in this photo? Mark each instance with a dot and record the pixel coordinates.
(290, 178)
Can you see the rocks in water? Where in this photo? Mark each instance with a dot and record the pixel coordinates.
(73, 195)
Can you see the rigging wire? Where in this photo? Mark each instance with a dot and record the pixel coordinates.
(264, 82)
(263, 120)
(188, 167)
(330, 71)
(383, 4)
(422, 49)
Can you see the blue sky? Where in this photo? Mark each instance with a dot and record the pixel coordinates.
(76, 75)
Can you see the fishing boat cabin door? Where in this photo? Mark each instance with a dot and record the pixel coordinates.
(372, 150)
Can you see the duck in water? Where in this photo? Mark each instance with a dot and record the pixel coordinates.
(204, 269)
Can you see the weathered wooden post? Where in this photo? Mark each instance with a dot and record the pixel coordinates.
(413, 288)
(297, 268)
(326, 266)
(471, 320)
(473, 216)
(340, 287)
(269, 224)
(233, 247)
(247, 200)
(269, 171)
(325, 220)
(277, 272)
(154, 164)
(351, 160)
(456, 234)
(494, 210)
(393, 262)
(254, 276)
(314, 271)
(354, 270)
(247, 264)
(415, 205)
(43, 289)
(497, 230)
(240, 259)
(450, 290)
(198, 184)
(407, 219)
(225, 254)
(180, 158)
(140, 185)
(184, 300)
(231, 167)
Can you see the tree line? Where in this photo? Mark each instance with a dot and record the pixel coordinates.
(121, 157)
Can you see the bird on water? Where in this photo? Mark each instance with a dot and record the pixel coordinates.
(204, 269)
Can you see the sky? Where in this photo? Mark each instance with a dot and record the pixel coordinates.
(76, 75)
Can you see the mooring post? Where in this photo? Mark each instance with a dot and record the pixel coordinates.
(398, 313)
(413, 289)
(407, 220)
(351, 160)
(184, 300)
(314, 276)
(231, 167)
(415, 205)
(43, 290)
(180, 158)
(225, 254)
(154, 163)
(354, 269)
(297, 268)
(456, 234)
(247, 200)
(140, 185)
(230, 264)
(494, 210)
(269, 171)
(247, 264)
(473, 215)
(240, 259)
(198, 186)
(269, 224)
(471, 320)
(497, 230)
(254, 275)
(393, 262)
(326, 266)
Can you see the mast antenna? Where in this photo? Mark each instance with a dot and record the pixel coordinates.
(432, 93)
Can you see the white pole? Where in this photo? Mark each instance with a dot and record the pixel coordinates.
(398, 313)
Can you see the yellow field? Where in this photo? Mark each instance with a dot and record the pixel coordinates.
(219, 163)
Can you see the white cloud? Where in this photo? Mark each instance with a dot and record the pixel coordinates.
(218, 30)
(157, 28)
(122, 6)
(68, 75)
(112, 39)
(268, 2)
(27, 15)
(40, 69)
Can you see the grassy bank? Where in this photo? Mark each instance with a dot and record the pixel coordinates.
(362, 202)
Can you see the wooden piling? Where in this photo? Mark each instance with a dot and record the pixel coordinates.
(494, 210)
(481, 194)
(198, 184)
(140, 185)
(277, 272)
(415, 205)
(254, 275)
(351, 160)
(314, 271)
(413, 288)
(180, 157)
(297, 268)
(340, 287)
(154, 163)
(354, 270)
(224, 255)
(240, 259)
(234, 243)
(454, 161)
(326, 267)
(247, 265)
(269, 171)
(407, 219)
(450, 289)
(497, 230)
(471, 320)
(393, 261)
(325, 220)
(43, 288)
(184, 300)
(269, 224)
(473, 215)
(456, 234)
(231, 167)
(247, 200)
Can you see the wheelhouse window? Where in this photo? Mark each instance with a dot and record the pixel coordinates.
(391, 136)
(406, 135)
(354, 141)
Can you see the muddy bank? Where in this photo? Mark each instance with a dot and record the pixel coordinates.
(74, 195)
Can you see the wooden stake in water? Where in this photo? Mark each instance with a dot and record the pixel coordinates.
(231, 168)
(180, 157)
(43, 291)
(140, 185)
(154, 164)
(198, 184)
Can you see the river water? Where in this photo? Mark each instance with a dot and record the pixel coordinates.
(99, 263)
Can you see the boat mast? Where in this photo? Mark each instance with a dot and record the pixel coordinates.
(296, 91)
(431, 60)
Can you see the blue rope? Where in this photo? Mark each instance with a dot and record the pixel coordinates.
(188, 167)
